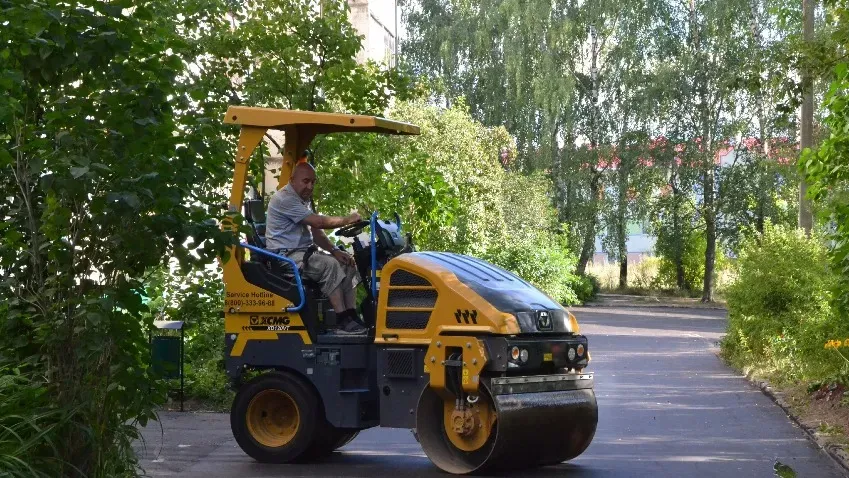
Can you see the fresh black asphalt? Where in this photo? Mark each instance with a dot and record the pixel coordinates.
(668, 407)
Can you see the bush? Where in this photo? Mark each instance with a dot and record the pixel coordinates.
(206, 381)
(28, 426)
(694, 263)
(780, 307)
(587, 287)
(644, 273)
(197, 299)
(547, 264)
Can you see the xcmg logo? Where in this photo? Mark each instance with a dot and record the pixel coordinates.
(269, 320)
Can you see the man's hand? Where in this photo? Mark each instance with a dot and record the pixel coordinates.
(354, 217)
(343, 258)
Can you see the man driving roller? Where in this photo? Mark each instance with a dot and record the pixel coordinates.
(292, 227)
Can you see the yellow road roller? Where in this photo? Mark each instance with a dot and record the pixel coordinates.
(487, 370)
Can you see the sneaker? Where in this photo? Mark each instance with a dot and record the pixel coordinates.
(351, 328)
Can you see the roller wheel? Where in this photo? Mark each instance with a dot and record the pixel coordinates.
(328, 440)
(346, 438)
(510, 432)
(456, 442)
(274, 418)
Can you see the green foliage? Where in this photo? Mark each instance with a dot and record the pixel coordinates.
(547, 264)
(98, 187)
(781, 310)
(827, 168)
(692, 259)
(452, 193)
(754, 189)
(279, 54)
(27, 424)
(445, 182)
(196, 299)
(531, 246)
(676, 231)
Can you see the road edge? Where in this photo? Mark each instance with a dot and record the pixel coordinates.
(839, 457)
(658, 305)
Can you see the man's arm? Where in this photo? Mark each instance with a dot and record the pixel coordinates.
(321, 239)
(318, 221)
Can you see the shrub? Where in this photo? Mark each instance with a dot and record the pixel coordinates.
(196, 299)
(780, 307)
(206, 381)
(586, 287)
(27, 427)
(546, 263)
(643, 274)
(693, 260)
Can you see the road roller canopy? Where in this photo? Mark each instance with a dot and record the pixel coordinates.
(299, 127)
(315, 122)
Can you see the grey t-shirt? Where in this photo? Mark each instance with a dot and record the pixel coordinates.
(282, 228)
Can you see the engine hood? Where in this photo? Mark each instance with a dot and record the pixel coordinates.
(534, 310)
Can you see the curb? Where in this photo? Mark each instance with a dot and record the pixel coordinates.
(837, 455)
(659, 305)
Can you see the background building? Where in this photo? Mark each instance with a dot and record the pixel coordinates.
(377, 22)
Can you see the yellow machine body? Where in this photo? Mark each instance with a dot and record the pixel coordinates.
(248, 307)
(477, 361)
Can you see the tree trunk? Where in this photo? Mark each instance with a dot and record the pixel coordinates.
(710, 226)
(677, 235)
(622, 229)
(806, 141)
(589, 238)
(678, 258)
(587, 248)
(623, 271)
(709, 211)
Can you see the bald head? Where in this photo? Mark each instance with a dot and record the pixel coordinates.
(303, 180)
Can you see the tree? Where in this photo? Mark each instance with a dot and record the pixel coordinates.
(512, 61)
(755, 189)
(807, 119)
(703, 98)
(98, 188)
(445, 182)
(826, 169)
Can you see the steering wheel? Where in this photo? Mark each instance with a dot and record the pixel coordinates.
(354, 229)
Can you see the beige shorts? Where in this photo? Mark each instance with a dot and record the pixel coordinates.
(326, 270)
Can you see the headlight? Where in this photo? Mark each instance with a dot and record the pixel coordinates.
(580, 350)
(571, 353)
(518, 354)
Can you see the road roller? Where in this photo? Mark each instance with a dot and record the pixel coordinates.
(486, 370)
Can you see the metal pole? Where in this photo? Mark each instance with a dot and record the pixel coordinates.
(182, 356)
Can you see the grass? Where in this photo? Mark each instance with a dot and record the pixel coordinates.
(643, 280)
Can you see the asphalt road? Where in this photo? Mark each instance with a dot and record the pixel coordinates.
(667, 407)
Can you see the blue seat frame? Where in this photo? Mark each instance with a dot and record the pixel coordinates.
(297, 274)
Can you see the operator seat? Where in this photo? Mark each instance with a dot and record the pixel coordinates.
(279, 278)
(255, 215)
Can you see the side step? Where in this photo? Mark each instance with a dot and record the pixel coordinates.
(355, 390)
(334, 339)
